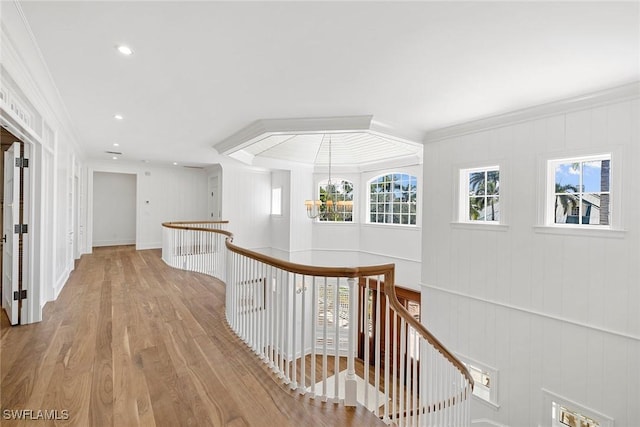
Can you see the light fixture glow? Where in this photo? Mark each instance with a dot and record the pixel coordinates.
(115, 144)
(114, 158)
(175, 163)
(328, 208)
(118, 117)
(125, 50)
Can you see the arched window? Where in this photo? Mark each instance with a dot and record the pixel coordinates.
(337, 201)
(393, 199)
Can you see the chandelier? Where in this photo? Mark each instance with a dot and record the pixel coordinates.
(333, 205)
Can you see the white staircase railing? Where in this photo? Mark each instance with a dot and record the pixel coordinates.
(337, 334)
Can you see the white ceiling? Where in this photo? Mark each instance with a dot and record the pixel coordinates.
(353, 148)
(202, 70)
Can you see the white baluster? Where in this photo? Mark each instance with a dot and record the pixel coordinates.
(303, 328)
(351, 385)
(314, 333)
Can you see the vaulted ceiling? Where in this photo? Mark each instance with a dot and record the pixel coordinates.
(203, 70)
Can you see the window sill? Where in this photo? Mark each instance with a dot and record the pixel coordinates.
(479, 226)
(340, 223)
(388, 225)
(580, 231)
(490, 404)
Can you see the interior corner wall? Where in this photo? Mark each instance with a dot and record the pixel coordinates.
(300, 235)
(163, 193)
(114, 209)
(548, 311)
(246, 204)
(281, 224)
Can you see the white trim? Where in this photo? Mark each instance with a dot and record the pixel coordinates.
(493, 375)
(124, 242)
(276, 203)
(534, 312)
(479, 225)
(264, 128)
(487, 421)
(60, 282)
(418, 207)
(581, 231)
(548, 397)
(145, 246)
(354, 200)
(595, 99)
(463, 193)
(546, 190)
(60, 105)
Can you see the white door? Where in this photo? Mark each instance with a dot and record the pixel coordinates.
(11, 215)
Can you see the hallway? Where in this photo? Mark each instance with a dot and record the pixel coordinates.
(131, 341)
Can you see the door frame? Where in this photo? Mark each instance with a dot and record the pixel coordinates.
(404, 295)
(31, 310)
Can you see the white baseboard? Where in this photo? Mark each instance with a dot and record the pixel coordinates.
(119, 242)
(143, 246)
(62, 280)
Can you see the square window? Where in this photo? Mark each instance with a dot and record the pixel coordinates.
(396, 196)
(580, 191)
(480, 195)
(336, 201)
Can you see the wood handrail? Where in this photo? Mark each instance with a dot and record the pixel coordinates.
(179, 224)
(390, 290)
(386, 270)
(308, 270)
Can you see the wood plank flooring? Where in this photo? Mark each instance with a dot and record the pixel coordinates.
(132, 342)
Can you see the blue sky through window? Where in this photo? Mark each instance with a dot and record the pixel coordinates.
(569, 174)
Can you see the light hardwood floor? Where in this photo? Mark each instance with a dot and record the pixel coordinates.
(132, 342)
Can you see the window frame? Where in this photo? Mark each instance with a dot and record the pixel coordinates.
(416, 215)
(463, 193)
(276, 205)
(325, 182)
(492, 373)
(550, 192)
(549, 399)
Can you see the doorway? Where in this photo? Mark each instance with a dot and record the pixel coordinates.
(114, 209)
(13, 217)
(369, 305)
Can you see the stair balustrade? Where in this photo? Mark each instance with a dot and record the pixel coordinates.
(336, 334)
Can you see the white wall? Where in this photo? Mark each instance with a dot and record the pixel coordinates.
(53, 143)
(163, 193)
(553, 311)
(280, 238)
(114, 209)
(376, 243)
(246, 204)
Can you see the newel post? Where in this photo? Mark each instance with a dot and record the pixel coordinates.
(351, 385)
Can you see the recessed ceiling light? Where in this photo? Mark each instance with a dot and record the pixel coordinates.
(118, 117)
(114, 158)
(115, 144)
(175, 163)
(125, 50)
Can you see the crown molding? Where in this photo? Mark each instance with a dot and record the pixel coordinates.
(595, 99)
(53, 111)
(264, 128)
